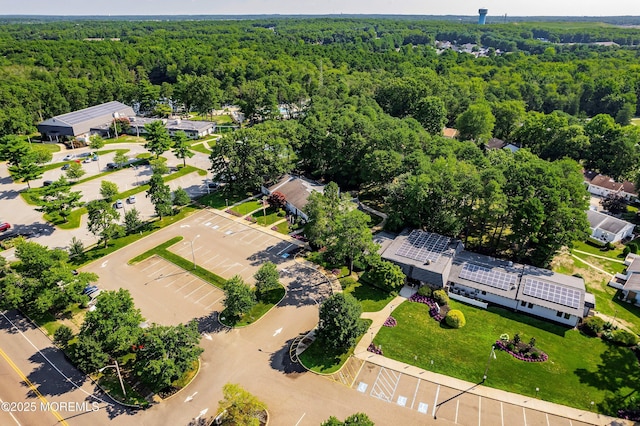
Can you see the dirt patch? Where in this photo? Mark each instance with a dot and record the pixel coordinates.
(566, 264)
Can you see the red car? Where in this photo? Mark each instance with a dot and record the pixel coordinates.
(4, 226)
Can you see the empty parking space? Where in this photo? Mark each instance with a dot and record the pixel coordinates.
(457, 406)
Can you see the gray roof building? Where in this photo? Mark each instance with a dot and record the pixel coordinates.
(486, 273)
(80, 122)
(552, 290)
(605, 222)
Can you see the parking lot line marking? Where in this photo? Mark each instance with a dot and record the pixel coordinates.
(435, 402)
(158, 270)
(501, 413)
(208, 293)
(303, 414)
(547, 415)
(525, 416)
(216, 301)
(188, 282)
(415, 393)
(151, 265)
(479, 410)
(195, 290)
(457, 407)
(283, 250)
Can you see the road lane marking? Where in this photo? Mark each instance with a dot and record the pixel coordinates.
(547, 414)
(11, 414)
(479, 410)
(32, 387)
(303, 414)
(278, 331)
(457, 408)
(501, 413)
(525, 416)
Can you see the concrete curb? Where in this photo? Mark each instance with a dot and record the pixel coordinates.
(187, 385)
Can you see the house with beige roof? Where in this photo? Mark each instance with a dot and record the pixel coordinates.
(605, 186)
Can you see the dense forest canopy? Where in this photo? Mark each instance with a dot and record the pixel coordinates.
(373, 95)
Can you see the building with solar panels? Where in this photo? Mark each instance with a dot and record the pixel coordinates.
(80, 124)
(441, 262)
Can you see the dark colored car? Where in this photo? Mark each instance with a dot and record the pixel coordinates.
(47, 182)
(66, 166)
(89, 289)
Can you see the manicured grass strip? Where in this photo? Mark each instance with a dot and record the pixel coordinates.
(161, 250)
(201, 148)
(156, 250)
(52, 148)
(580, 369)
(107, 151)
(248, 207)
(99, 251)
(108, 379)
(283, 227)
(125, 139)
(73, 221)
(371, 298)
(219, 199)
(257, 312)
(319, 359)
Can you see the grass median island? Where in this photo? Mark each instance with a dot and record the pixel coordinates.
(259, 309)
(580, 369)
(200, 148)
(319, 359)
(187, 265)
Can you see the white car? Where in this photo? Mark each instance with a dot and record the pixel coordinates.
(68, 157)
(131, 199)
(119, 204)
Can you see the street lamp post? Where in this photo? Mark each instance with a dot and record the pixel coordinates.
(537, 390)
(492, 354)
(193, 253)
(124, 392)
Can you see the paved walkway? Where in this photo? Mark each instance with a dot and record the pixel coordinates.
(378, 319)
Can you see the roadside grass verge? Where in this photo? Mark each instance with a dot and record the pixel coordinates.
(371, 298)
(320, 359)
(580, 369)
(257, 312)
(187, 265)
(108, 379)
(98, 251)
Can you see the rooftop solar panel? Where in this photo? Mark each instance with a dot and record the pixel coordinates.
(552, 293)
(423, 246)
(491, 277)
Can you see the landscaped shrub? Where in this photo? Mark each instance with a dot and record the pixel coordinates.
(441, 297)
(425, 290)
(592, 326)
(455, 319)
(624, 338)
(347, 282)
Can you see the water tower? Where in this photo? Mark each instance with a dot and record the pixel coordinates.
(483, 16)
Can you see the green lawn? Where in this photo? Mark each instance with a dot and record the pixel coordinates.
(125, 139)
(635, 121)
(260, 308)
(246, 208)
(590, 248)
(201, 148)
(606, 265)
(580, 369)
(321, 360)
(219, 200)
(73, 221)
(51, 147)
(371, 298)
(272, 216)
(283, 228)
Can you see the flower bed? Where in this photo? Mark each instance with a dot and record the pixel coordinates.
(375, 349)
(633, 415)
(541, 357)
(250, 219)
(433, 307)
(390, 322)
(233, 212)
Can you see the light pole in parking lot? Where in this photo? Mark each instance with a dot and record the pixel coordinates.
(193, 253)
(492, 354)
(124, 392)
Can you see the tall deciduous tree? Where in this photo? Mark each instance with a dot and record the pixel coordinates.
(352, 239)
(181, 148)
(13, 149)
(108, 190)
(239, 298)
(508, 115)
(102, 219)
(432, 114)
(160, 195)
(58, 200)
(267, 279)
(241, 407)
(340, 325)
(157, 136)
(476, 123)
(132, 220)
(386, 275)
(358, 419)
(96, 142)
(26, 170)
(75, 171)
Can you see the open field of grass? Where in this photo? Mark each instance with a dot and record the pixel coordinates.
(636, 121)
(125, 139)
(321, 360)
(590, 248)
(580, 369)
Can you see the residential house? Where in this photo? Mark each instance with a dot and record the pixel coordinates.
(604, 186)
(296, 191)
(608, 229)
(629, 281)
(193, 129)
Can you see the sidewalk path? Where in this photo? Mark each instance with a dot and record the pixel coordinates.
(598, 256)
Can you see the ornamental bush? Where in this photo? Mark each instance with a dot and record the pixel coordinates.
(441, 297)
(425, 290)
(592, 326)
(624, 338)
(455, 319)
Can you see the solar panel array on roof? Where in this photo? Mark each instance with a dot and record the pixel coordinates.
(552, 293)
(90, 113)
(487, 276)
(423, 246)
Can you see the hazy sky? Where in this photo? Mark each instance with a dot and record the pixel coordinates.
(248, 7)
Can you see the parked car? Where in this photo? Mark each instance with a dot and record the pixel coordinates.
(112, 166)
(131, 199)
(90, 289)
(95, 157)
(68, 157)
(84, 154)
(47, 182)
(119, 204)
(5, 226)
(66, 166)
(86, 160)
(213, 186)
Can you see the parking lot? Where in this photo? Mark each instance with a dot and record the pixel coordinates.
(167, 294)
(441, 402)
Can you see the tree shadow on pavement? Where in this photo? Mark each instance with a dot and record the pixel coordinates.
(280, 360)
(49, 380)
(209, 324)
